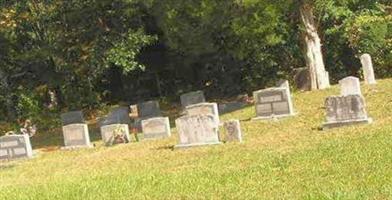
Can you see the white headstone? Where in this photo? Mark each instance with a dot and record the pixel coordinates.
(76, 136)
(156, 128)
(197, 130)
(204, 109)
(368, 70)
(350, 86)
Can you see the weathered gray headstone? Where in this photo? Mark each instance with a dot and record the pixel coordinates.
(273, 103)
(119, 115)
(192, 98)
(149, 109)
(15, 146)
(74, 117)
(301, 78)
(156, 128)
(233, 131)
(350, 86)
(368, 70)
(345, 110)
(230, 107)
(197, 130)
(204, 109)
(283, 84)
(115, 134)
(76, 136)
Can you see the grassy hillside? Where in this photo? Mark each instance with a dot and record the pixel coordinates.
(287, 159)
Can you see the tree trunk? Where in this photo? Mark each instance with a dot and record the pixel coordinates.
(313, 56)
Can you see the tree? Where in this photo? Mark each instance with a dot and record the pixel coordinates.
(319, 77)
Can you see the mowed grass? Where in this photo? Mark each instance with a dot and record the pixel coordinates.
(286, 159)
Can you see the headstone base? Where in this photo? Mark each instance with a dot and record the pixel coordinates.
(184, 146)
(77, 147)
(330, 125)
(274, 117)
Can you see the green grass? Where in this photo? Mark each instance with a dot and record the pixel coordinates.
(287, 159)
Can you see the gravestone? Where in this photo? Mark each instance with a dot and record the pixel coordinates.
(350, 86)
(204, 109)
(192, 98)
(74, 117)
(301, 78)
(368, 70)
(197, 130)
(149, 109)
(119, 115)
(283, 84)
(233, 131)
(273, 103)
(345, 110)
(15, 146)
(75, 130)
(76, 136)
(230, 107)
(156, 128)
(115, 134)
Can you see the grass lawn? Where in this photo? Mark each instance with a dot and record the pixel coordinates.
(287, 159)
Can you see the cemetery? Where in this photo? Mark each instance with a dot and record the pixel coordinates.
(195, 99)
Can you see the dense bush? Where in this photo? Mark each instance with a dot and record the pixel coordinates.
(90, 52)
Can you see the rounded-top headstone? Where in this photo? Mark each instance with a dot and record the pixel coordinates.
(350, 86)
(368, 70)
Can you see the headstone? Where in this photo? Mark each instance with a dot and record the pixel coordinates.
(230, 107)
(368, 70)
(192, 98)
(115, 134)
(301, 79)
(283, 84)
(156, 128)
(233, 131)
(273, 103)
(76, 136)
(149, 109)
(15, 146)
(204, 109)
(119, 115)
(197, 130)
(74, 117)
(345, 110)
(350, 86)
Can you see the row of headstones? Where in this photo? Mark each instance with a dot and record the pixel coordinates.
(200, 124)
(115, 127)
(346, 109)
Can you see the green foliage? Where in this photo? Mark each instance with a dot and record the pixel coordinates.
(94, 52)
(123, 53)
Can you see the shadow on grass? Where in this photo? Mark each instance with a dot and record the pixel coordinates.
(166, 147)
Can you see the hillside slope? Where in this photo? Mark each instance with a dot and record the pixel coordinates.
(287, 159)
